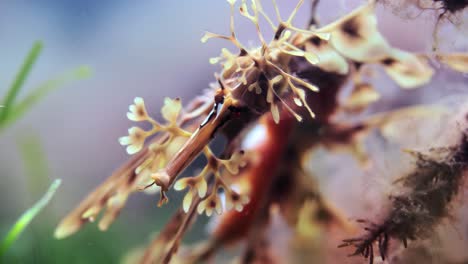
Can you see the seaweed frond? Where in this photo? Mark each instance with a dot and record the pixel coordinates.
(431, 186)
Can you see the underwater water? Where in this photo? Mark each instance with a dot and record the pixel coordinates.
(386, 133)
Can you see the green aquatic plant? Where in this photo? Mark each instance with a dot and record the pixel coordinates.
(11, 109)
(26, 218)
